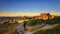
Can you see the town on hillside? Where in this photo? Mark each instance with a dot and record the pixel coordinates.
(29, 25)
(43, 16)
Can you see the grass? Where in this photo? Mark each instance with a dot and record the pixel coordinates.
(55, 30)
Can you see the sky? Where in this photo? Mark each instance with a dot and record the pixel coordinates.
(29, 7)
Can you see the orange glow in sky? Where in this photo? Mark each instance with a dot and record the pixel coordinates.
(25, 14)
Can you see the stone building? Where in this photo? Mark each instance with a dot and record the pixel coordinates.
(44, 16)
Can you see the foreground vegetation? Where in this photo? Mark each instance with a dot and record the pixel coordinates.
(55, 30)
(49, 21)
(8, 28)
(36, 23)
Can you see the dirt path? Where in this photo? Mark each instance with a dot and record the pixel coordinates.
(42, 28)
(45, 27)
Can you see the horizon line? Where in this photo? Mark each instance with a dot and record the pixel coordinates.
(26, 15)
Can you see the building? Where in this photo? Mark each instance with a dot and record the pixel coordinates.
(44, 16)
